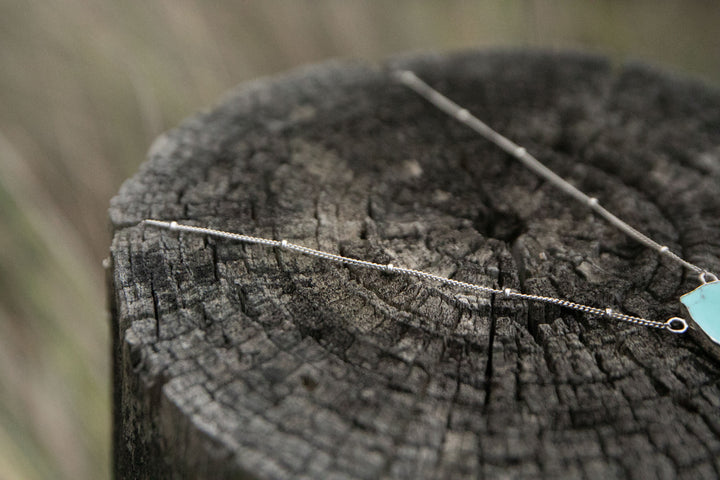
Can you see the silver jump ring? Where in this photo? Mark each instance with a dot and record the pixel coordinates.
(676, 325)
(707, 277)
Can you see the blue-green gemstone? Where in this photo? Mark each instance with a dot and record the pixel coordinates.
(703, 303)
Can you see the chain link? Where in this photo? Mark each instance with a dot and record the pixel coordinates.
(675, 324)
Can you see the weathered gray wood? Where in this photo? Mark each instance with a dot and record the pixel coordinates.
(245, 362)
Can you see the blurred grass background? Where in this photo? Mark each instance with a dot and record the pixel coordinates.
(86, 85)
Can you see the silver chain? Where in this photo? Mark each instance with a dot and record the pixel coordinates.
(675, 324)
(408, 78)
(443, 103)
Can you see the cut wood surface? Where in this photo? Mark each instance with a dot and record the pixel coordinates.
(244, 361)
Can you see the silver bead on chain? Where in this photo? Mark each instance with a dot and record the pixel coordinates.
(675, 324)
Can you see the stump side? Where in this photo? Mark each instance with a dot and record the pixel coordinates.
(238, 361)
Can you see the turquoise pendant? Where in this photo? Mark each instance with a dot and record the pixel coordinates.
(703, 303)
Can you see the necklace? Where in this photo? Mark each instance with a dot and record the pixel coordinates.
(703, 303)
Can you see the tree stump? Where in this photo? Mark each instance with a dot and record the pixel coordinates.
(243, 361)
